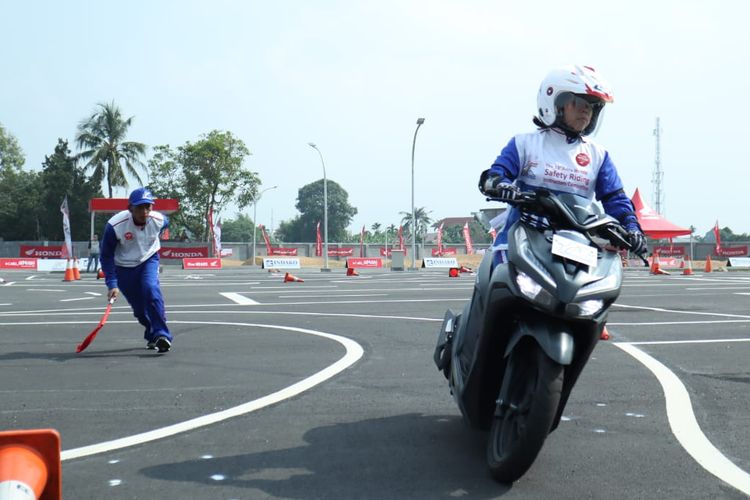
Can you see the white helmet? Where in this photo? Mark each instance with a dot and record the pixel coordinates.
(580, 80)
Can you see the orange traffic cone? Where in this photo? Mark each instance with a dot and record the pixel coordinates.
(688, 269)
(69, 276)
(453, 272)
(655, 268)
(290, 277)
(350, 271)
(100, 274)
(709, 267)
(464, 269)
(76, 270)
(604, 335)
(30, 464)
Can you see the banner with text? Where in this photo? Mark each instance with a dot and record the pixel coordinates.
(198, 263)
(14, 263)
(183, 252)
(363, 262)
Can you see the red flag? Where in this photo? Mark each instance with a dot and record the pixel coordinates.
(269, 250)
(440, 239)
(467, 240)
(318, 241)
(362, 242)
(401, 238)
(717, 233)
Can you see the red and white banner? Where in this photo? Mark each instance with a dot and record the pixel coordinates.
(670, 251)
(740, 251)
(340, 252)
(362, 242)
(207, 263)
(439, 240)
(265, 238)
(182, 252)
(363, 262)
(445, 251)
(14, 263)
(386, 252)
(68, 247)
(41, 252)
(215, 226)
(717, 234)
(318, 241)
(283, 251)
(400, 237)
(467, 240)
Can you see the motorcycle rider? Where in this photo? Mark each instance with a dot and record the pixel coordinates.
(559, 157)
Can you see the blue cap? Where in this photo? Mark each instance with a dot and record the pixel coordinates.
(141, 196)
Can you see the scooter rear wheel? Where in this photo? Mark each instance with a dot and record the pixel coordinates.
(526, 408)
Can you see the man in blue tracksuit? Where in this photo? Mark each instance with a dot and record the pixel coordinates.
(559, 157)
(130, 261)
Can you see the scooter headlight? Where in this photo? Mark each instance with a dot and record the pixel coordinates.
(590, 307)
(533, 290)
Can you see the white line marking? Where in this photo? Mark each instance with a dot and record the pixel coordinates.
(659, 309)
(44, 290)
(684, 425)
(239, 299)
(95, 294)
(353, 353)
(74, 300)
(336, 296)
(9, 283)
(6, 304)
(705, 341)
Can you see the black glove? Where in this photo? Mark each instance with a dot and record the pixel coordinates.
(506, 192)
(637, 242)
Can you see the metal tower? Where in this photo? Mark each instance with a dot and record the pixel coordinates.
(658, 176)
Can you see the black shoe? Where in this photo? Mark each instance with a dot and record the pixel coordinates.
(163, 344)
(151, 346)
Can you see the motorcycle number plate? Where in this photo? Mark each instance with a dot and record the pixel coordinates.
(574, 250)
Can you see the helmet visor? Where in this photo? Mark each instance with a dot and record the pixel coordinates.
(579, 101)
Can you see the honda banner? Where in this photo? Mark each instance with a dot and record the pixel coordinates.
(282, 251)
(340, 252)
(740, 251)
(182, 253)
(41, 252)
(436, 252)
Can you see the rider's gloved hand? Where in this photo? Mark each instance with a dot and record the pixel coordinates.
(637, 242)
(506, 192)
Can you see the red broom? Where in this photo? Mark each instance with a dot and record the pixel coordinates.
(90, 337)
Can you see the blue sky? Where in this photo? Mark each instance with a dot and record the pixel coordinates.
(353, 77)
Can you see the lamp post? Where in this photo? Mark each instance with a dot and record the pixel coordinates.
(325, 208)
(420, 121)
(255, 221)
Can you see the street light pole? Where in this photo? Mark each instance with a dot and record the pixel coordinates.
(420, 121)
(255, 221)
(325, 208)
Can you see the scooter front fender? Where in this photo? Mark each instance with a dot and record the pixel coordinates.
(551, 335)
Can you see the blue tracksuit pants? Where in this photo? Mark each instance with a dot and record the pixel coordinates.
(140, 286)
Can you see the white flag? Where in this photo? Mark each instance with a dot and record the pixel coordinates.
(67, 250)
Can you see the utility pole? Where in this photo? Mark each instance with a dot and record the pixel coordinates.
(658, 175)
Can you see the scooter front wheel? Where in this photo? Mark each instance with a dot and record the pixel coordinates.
(525, 410)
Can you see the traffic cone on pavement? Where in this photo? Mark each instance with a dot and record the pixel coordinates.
(688, 269)
(464, 269)
(291, 278)
(30, 465)
(100, 274)
(453, 272)
(709, 267)
(350, 271)
(655, 267)
(604, 335)
(69, 276)
(76, 270)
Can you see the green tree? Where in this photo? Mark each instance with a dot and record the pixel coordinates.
(310, 205)
(455, 234)
(62, 176)
(101, 137)
(239, 229)
(208, 174)
(19, 192)
(423, 222)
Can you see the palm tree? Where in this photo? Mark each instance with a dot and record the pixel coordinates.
(423, 220)
(101, 138)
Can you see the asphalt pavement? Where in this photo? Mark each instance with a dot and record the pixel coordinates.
(325, 389)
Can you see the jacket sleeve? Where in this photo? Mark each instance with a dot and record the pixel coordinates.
(107, 256)
(610, 192)
(506, 166)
